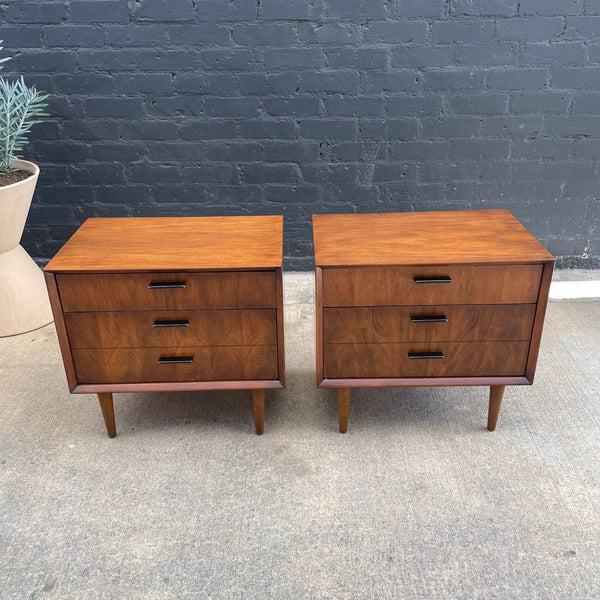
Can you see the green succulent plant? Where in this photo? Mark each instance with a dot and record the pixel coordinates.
(21, 107)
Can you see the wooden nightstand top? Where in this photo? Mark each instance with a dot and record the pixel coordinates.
(172, 244)
(479, 236)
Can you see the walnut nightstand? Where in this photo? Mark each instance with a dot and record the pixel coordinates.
(425, 299)
(157, 304)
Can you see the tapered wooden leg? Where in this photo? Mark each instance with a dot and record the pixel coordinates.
(258, 406)
(343, 396)
(496, 393)
(108, 412)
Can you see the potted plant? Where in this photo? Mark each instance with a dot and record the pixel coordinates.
(24, 304)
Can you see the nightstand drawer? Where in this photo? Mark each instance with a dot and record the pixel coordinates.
(444, 284)
(136, 365)
(161, 329)
(445, 359)
(461, 323)
(167, 291)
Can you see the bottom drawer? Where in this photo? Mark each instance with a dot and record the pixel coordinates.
(146, 365)
(460, 359)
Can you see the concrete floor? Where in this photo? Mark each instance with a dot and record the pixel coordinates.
(417, 500)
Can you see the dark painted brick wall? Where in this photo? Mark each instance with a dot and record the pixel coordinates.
(205, 107)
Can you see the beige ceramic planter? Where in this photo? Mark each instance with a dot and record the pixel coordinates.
(24, 301)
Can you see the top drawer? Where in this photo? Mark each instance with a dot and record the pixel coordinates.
(450, 284)
(167, 291)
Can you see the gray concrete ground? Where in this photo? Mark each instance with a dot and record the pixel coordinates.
(417, 500)
(575, 275)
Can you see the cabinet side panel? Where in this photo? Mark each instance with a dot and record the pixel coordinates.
(280, 326)
(538, 323)
(61, 330)
(319, 322)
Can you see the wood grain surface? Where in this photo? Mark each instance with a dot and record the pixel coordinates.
(93, 292)
(137, 329)
(61, 330)
(280, 326)
(343, 398)
(172, 244)
(258, 408)
(137, 365)
(381, 382)
(179, 386)
(538, 324)
(108, 413)
(395, 286)
(484, 322)
(496, 394)
(424, 238)
(462, 359)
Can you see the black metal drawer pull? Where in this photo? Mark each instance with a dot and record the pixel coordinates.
(180, 323)
(429, 319)
(166, 285)
(432, 279)
(174, 360)
(415, 355)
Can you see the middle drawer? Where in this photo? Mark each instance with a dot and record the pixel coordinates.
(460, 323)
(162, 329)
